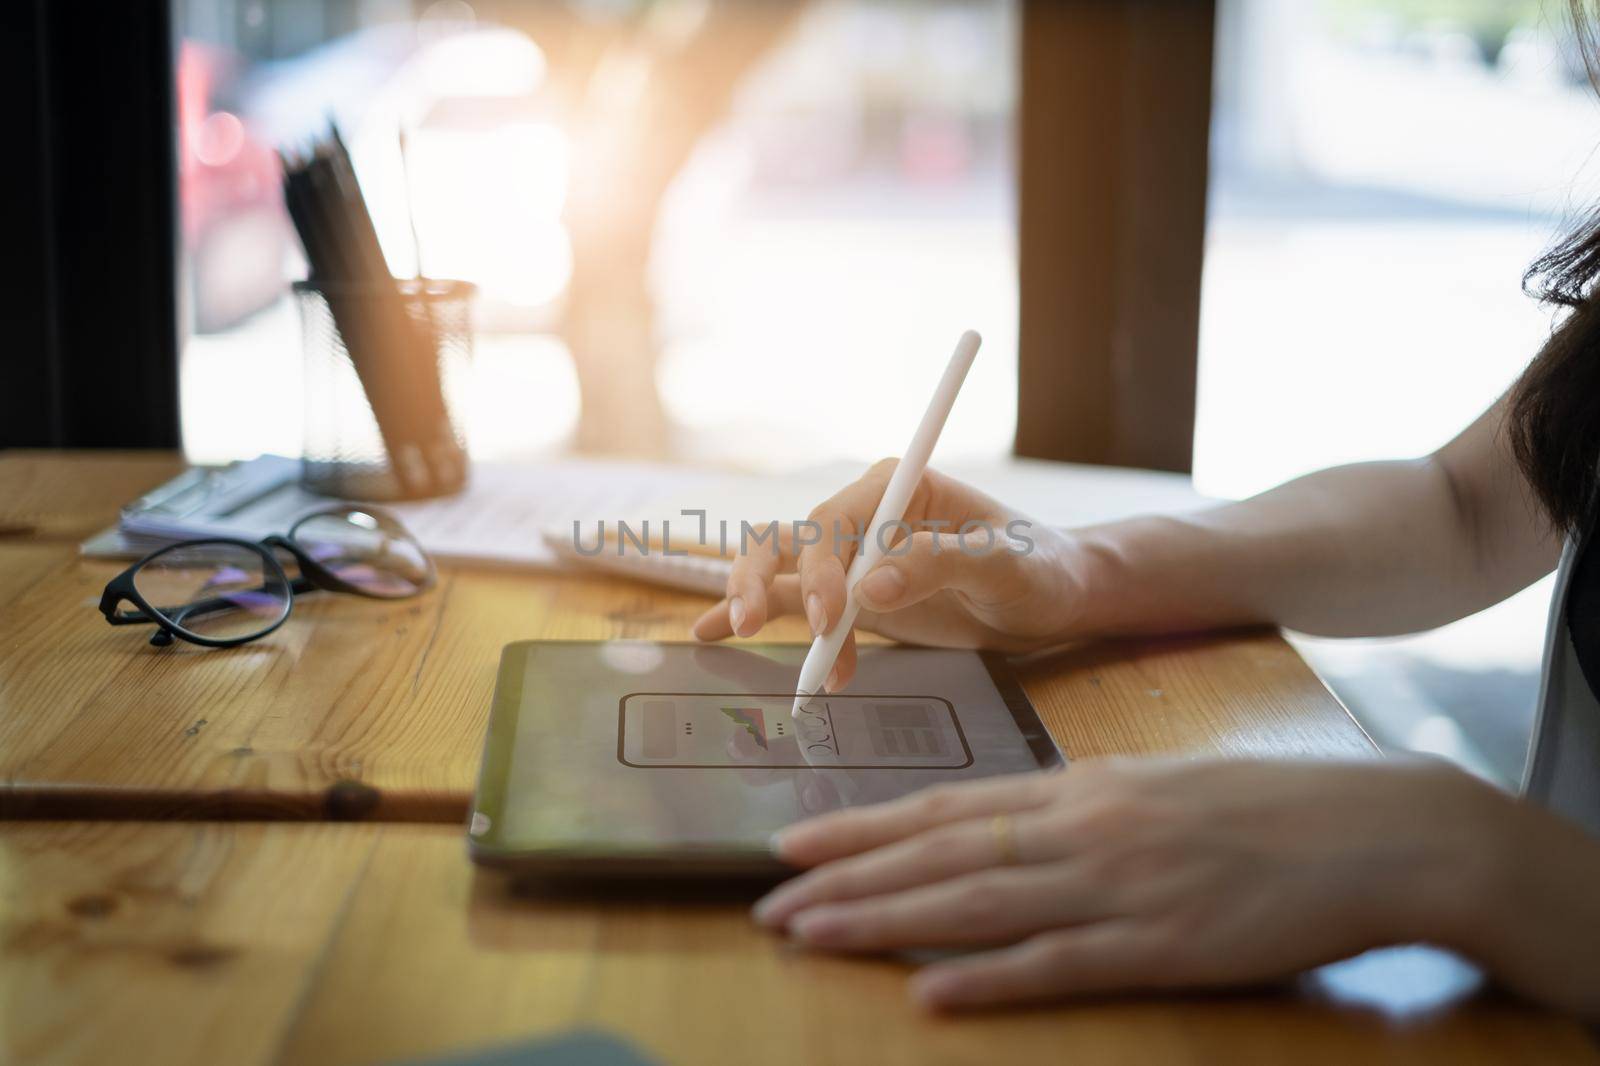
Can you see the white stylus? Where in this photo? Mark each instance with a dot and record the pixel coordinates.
(891, 509)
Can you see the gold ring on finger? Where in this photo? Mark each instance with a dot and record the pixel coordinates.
(1005, 839)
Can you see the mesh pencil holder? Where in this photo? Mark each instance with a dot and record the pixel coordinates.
(385, 377)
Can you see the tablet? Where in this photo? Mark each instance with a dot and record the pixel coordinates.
(633, 758)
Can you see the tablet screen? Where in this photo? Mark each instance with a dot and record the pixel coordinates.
(637, 749)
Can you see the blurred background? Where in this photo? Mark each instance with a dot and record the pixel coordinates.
(692, 221)
(698, 217)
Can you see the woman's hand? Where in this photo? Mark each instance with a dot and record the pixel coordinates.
(1007, 583)
(1149, 874)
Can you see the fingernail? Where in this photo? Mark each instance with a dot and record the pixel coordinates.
(736, 613)
(933, 990)
(774, 908)
(883, 586)
(817, 925)
(816, 615)
(764, 910)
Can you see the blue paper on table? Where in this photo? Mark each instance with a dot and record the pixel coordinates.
(587, 1048)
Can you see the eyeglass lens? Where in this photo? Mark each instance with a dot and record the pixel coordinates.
(216, 591)
(371, 552)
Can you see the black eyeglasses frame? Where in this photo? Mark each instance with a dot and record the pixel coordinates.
(313, 576)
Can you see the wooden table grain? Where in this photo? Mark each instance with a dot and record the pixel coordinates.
(25, 562)
(306, 941)
(368, 709)
(251, 942)
(51, 500)
(365, 709)
(69, 495)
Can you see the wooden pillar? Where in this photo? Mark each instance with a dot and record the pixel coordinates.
(1114, 125)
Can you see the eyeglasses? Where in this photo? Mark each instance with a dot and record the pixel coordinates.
(220, 591)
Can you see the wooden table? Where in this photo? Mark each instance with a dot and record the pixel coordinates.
(212, 935)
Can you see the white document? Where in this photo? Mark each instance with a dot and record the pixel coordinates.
(508, 515)
(522, 514)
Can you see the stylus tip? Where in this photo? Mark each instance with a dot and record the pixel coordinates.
(799, 704)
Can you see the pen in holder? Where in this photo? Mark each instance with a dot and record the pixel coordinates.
(386, 366)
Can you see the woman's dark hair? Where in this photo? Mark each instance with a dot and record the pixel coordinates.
(1554, 418)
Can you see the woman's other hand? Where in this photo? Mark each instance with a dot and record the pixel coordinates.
(1156, 874)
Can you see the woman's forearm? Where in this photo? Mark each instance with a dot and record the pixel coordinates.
(1370, 549)
(1358, 550)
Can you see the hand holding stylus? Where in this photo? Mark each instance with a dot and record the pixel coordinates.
(886, 518)
(1012, 590)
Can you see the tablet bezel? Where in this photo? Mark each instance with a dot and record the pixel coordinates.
(570, 862)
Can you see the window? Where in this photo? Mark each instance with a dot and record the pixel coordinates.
(1383, 171)
(709, 230)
